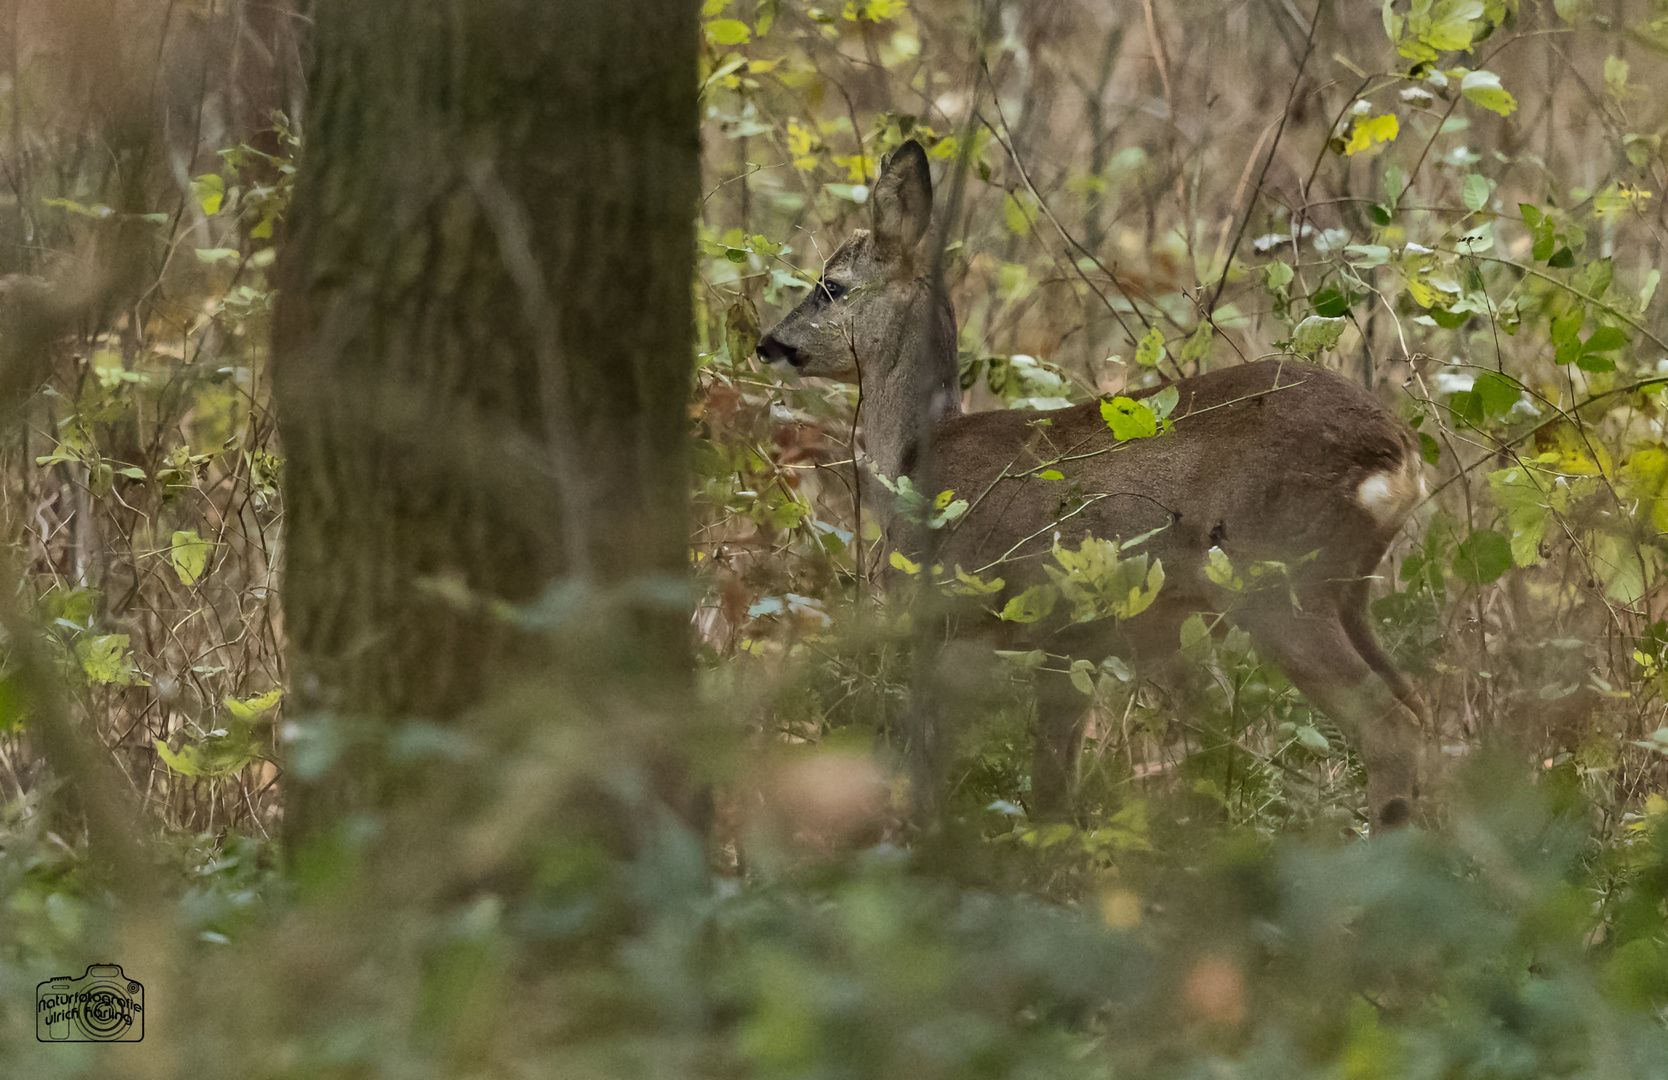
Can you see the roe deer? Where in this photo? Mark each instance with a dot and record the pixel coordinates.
(1274, 461)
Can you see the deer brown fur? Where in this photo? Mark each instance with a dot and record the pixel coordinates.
(1274, 462)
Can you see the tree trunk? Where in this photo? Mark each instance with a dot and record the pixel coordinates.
(482, 349)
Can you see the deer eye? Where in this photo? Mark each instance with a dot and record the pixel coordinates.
(833, 288)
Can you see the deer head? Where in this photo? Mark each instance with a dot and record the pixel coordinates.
(876, 318)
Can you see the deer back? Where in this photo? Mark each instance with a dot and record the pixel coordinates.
(1275, 461)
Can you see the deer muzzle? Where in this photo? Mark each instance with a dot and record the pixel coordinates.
(773, 350)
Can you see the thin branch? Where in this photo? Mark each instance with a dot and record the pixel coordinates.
(1285, 113)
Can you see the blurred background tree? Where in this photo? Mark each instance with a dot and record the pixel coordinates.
(481, 358)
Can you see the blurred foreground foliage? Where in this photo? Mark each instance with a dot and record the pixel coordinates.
(1518, 942)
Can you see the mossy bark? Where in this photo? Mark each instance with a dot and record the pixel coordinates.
(482, 345)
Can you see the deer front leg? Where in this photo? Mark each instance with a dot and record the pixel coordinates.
(1314, 650)
(1061, 708)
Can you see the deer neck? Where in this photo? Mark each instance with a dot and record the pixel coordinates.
(911, 391)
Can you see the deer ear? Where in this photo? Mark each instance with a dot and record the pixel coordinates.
(902, 200)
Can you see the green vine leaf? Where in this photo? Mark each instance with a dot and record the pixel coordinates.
(1483, 88)
(210, 191)
(1150, 352)
(189, 553)
(1129, 419)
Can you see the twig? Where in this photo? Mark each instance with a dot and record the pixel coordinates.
(1285, 113)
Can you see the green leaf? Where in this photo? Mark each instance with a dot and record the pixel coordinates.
(1429, 449)
(972, 585)
(1562, 259)
(217, 255)
(1606, 339)
(1528, 498)
(1197, 346)
(728, 32)
(1015, 216)
(1276, 276)
(1453, 24)
(900, 561)
(104, 659)
(1051, 474)
(1615, 74)
(1220, 570)
(1082, 672)
(1466, 408)
(946, 511)
(1476, 192)
(1150, 352)
(1330, 303)
(189, 553)
(1566, 326)
(1128, 418)
(1496, 393)
(1366, 256)
(1540, 231)
(1031, 605)
(1595, 363)
(1594, 279)
(219, 755)
(249, 708)
(210, 191)
(1312, 739)
(184, 762)
(1164, 402)
(1195, 634)
(1316, 334)
(1483, 88)
(1483, 557)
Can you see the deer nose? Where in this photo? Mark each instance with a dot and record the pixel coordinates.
(772, 350)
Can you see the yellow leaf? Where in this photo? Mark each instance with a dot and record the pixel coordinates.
(1422, 294)
(249, 708)
(900, 561)
(860, 168)
(189, 553)
(801, 140)
(1619, 199)
(1014, 213)
(184, 762)
(728, 32)
(1369, 133)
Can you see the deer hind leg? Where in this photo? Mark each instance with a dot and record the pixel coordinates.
(1320, 654)
(1358, 626)
(1061, 708)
